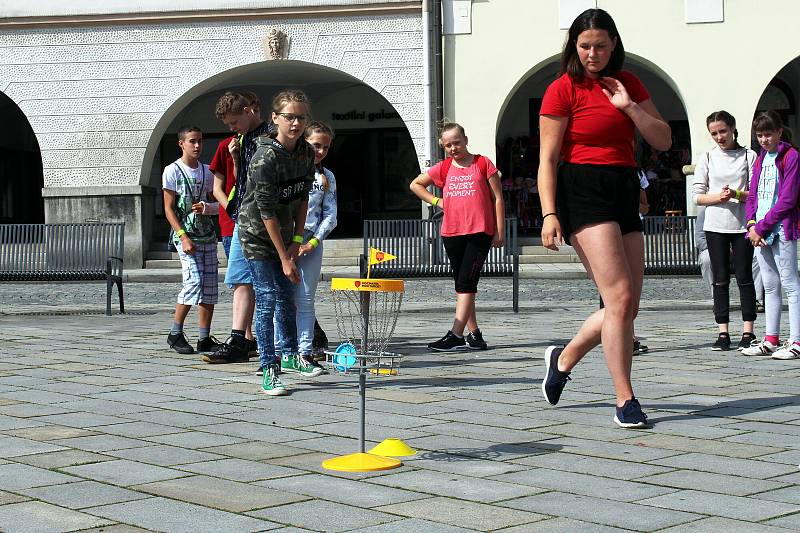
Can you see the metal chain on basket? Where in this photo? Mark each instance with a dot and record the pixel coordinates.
(384, 310)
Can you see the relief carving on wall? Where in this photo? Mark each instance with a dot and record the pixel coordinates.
(276, 44)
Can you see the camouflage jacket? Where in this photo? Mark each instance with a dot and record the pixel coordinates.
(277, 182)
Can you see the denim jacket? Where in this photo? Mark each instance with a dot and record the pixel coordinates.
(321, 217)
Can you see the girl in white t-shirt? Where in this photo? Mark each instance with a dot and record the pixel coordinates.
(474, 221)
(722, 184)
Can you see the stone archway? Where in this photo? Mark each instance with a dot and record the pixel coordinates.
(782, 94)
(21, 176)
(374, 155)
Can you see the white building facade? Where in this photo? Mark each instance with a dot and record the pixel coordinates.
(105, 88)
(694, 56)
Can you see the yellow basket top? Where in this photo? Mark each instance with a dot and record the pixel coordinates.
(371, 285)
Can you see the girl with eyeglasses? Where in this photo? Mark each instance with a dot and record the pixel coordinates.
(271, 225)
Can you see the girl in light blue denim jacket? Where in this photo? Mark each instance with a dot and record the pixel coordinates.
(320, 221)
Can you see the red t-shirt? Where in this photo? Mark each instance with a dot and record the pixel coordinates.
(597, 132)
(467, 199)
(222, 163)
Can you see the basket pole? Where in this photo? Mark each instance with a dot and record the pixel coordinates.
(362, 371)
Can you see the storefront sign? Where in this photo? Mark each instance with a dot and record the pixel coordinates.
(363, 115)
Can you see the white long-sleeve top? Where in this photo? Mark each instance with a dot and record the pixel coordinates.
(716, 169)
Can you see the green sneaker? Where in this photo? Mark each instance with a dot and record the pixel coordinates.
(272, 383)
(305, 366)
(288, 363)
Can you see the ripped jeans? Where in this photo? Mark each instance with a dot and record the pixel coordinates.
(778, 264)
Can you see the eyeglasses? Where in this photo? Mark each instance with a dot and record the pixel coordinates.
(291, 117)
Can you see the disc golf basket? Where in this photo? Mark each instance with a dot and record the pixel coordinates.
(366, 315)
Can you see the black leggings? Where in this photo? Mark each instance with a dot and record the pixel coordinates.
(724, 249)
(467, 253)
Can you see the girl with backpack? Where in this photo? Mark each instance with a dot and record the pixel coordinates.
(474, 221)
(772, 227)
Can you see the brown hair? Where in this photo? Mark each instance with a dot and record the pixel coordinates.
(771, 121)
(232, 103)
(447, 126)
(186, 129)
(253, 100)
(591, 19)
(320, 127)
(290, 96)
(727, 118)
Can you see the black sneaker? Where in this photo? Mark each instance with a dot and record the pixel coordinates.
(179, 343)
(723, 343)
(209, 344)
(227, 353)
(747, 340)
(759, 306)
(630, 415)
(554, 380)
(475, 341)
(639, 348)
(260, 371)
(252, 348)
(448, 343)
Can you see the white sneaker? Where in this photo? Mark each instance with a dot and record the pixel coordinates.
(760, 348)
(787, 351)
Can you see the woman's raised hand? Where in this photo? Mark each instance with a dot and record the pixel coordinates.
(616, 93)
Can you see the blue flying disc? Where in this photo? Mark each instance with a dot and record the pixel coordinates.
(345, 357)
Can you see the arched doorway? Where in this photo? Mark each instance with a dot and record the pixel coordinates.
(782, 94)
(373, 155)
(21, 177)
(517, 143)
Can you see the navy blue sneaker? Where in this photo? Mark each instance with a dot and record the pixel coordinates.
(554, 380)
(630, 415)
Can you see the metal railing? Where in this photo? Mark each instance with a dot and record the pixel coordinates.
(669, 245)
(64, 252)
(420, 251)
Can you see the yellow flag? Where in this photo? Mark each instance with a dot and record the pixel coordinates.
(376, 256)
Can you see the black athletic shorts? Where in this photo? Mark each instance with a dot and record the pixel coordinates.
(588, 194)
(467, 253)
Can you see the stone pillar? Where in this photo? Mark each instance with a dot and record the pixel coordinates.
(130, 204)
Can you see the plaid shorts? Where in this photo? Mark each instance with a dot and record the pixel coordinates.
(199, 275)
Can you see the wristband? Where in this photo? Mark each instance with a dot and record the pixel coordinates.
(314, 242)
(298, 239)
(180, 233)
(736, 193)
(547, 215)
(435, 201)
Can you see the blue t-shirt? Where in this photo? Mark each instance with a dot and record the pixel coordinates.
(768, 192)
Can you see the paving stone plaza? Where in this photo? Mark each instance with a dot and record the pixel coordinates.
(102, 428)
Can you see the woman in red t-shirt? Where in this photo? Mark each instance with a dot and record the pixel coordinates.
(591, 199)
(474, 221)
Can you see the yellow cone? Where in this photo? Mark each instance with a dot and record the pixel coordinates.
(393, 448)
(361, 462)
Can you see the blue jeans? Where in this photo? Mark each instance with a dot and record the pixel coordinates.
(310, 267)
(305, 292)
(274, 300)
(226, 245)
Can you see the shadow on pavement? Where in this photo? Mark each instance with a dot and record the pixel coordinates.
(492, 453)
